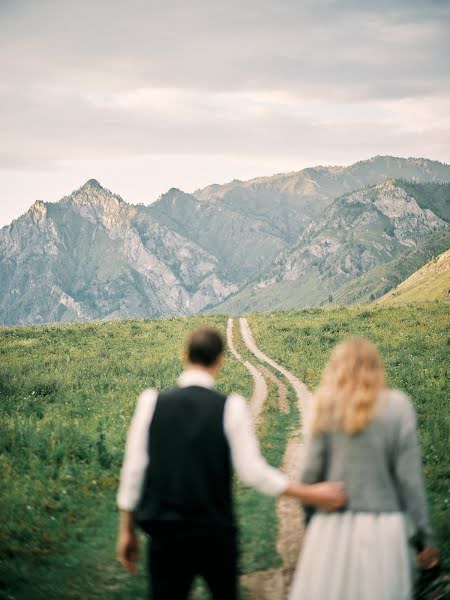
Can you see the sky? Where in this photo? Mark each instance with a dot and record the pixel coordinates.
(145, 95)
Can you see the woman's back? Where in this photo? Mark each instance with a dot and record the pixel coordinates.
(364, 435)
(378, 465)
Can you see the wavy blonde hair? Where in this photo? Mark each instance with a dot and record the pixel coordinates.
(347, 395)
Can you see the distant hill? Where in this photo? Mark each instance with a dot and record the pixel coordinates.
(431, 282)
(288, 240)
(358, 232)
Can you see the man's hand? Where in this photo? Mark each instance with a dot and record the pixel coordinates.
(327, 496)
(428, 558)
(128, 543)
(128, 550)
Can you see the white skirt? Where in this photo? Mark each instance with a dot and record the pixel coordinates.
(354, 556)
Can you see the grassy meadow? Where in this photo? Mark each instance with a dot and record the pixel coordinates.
(67, 393)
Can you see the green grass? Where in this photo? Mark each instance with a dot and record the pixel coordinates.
(414, 341)
(66, 397)
(67, 394)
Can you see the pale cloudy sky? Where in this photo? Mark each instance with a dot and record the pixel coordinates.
(145, 95)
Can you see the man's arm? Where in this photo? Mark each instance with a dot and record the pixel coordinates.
(328, 495)
(132, 474)
(253, 470)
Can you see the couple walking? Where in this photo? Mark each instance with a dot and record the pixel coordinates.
(362, 474)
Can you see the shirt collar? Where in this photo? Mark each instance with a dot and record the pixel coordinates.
(196, 377)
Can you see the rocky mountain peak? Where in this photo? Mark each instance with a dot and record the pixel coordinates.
(173, 192)
(96, 203)
(92, 184)
(175, 198)
(92, 192)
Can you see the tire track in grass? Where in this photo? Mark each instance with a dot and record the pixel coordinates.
(273, 584)
(283, 403)
(301, 391)
(260, 390)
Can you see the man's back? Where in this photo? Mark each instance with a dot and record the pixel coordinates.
(188, 478)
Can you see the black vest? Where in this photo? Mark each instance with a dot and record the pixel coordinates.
(188, 481)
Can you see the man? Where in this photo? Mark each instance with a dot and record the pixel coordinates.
(176, 479)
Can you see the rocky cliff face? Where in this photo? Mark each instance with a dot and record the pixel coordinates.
(246, 224)
(357, 232)
(94, 256)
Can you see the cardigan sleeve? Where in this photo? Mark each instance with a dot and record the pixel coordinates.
(314, 464)
(408, 471)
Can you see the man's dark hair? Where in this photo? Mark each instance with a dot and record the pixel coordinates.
(204, 347)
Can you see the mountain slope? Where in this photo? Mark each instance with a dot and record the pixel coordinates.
(382, 278)
(431, 282)
(356, 233)
(242, 242)
(93, 256)
(246, 224)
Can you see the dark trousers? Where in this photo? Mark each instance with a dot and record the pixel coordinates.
(176, 558)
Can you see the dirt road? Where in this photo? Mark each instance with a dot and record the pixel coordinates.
(259, 383)
(273, 584)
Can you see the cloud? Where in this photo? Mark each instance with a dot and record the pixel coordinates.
(215, 46)
(113, 80)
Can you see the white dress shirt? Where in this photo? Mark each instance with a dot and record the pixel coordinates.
(246, 457)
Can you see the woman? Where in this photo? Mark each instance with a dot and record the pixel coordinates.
(364, 435)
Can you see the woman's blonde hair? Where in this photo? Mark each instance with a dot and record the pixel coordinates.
(346, 397)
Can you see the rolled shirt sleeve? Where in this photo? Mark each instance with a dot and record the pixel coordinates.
(247, 460)
(136, 458)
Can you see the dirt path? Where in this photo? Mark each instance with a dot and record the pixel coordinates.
(273, 584)
(259, 383)
(302, 392)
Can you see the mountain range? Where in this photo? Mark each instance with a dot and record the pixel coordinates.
(298, 239)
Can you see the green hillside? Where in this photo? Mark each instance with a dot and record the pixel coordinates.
(431, 282)
(385, 277)
(66, 396)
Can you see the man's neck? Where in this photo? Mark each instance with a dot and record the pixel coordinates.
(211, 371)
